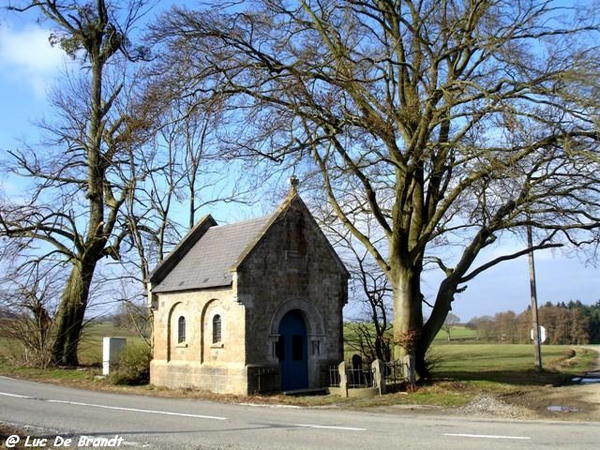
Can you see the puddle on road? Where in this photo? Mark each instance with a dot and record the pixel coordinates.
(586, 380)
(594, 379)
(589, 380)
(562, 409)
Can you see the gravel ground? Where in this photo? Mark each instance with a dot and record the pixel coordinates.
(573, 402)
(489, 406)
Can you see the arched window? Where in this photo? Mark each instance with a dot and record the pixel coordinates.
(216, 329)
(181, 330)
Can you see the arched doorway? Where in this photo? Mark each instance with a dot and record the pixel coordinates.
(292, 351)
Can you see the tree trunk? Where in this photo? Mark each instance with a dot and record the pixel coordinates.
(408, 319)
(71, 313)
(442, 306)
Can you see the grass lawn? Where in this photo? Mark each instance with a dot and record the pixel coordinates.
(458, 333)
(509, 363)
(90, 347)
(90, 353)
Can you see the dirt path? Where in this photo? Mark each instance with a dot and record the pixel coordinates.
(590, 387)
(579, 401)
(596, 369)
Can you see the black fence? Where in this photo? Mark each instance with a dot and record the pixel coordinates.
(362, 376)
(266, 379)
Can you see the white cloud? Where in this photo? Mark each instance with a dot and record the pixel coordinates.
(27, 57)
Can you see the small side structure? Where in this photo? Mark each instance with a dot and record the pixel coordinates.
(251, 306)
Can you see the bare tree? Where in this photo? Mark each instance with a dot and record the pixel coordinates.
(135, 317)
(451, 321)
(183, 174)
(28, 296)
(450, 122)
(81, 179)
(370, 330)
(372, 285)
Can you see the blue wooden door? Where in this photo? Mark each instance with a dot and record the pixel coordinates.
(293, 358)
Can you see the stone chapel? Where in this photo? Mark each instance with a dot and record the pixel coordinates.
(249, 307)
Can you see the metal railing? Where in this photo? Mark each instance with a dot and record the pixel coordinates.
(362, 376)
(267, 379)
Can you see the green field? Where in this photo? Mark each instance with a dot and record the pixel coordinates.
(508, 363)
(465, 358)
(458, 333)
(90, 347)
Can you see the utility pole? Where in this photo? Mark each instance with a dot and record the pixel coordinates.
(537, 349)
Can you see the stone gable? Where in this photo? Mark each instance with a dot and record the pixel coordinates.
(286, 268)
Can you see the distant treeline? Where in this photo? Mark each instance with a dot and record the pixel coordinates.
(565, 323)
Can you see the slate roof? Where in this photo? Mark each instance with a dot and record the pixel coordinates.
(209, 261)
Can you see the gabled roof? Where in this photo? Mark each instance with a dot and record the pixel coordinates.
(210, 253)
(209, 259)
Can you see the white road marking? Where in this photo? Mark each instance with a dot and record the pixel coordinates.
(487, 436)
(266, 405)
(6, 394)
(145, 411)
(329, 427)
(169, 413)
(116, 408)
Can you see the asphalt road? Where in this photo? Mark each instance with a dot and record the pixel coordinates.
(57, 414)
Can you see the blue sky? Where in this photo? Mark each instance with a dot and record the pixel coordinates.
(29, 65)
(506, 286)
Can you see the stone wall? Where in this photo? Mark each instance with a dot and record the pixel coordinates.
(219, 378)
(198, 362)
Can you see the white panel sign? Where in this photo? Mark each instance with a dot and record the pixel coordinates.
(543, 335)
